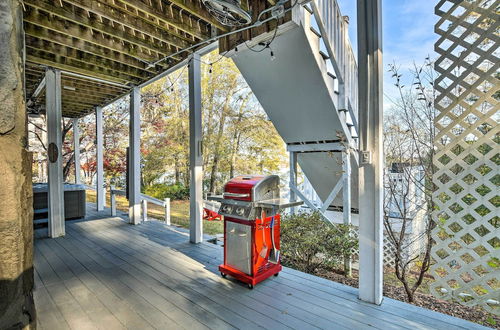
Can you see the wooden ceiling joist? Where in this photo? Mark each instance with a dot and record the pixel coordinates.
(111, 40)
(63, 63)
(85, 34)
(67, 15)
(63, 39)
(197, 9)
(120, 12)
(98, 62)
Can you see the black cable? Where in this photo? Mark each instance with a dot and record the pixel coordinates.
(266, 45)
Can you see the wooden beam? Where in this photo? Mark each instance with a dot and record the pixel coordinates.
(50, 60)
(64, 39)
(65, 13)
(197, 9)
(104, 10)
(87, 91)
(85, 34)
(75, 104)
(162, 17)
(70, 53)
(85, 99)
(94, 92)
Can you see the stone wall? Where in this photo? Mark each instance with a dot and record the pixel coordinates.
(16, 229)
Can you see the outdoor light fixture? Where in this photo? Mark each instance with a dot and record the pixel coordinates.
(228, 12)
(70, 88)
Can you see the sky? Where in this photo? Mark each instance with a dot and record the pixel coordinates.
(408, 35)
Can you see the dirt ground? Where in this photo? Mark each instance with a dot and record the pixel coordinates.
(473, 314)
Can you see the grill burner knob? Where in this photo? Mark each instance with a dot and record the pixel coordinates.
(227, 209)
(240, 211)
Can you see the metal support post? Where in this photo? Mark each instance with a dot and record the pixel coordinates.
(100, 190)
(167, 211)
(346, 201)
(76, 146)
(195, 152)
(113, 201)
(134, 176)
(293, 179)
(144, 204)
(371, 160)
(54, 142)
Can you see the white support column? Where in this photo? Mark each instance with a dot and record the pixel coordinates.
(134, 177)
(54, 142)
(371, 157)
(144, 204)
(167, 211)
(346, 200)
(346, 186)
(100, 190)
(76, 146)
(293, 179)
(113, 200)
(195, 152)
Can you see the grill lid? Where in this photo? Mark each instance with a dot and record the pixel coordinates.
(252, 188)
(246, 196)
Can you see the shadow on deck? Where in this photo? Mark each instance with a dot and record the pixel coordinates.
(108, 274)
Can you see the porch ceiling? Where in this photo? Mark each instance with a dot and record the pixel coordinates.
(113, 40)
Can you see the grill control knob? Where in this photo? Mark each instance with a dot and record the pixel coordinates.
(240, 211)
(226, 208)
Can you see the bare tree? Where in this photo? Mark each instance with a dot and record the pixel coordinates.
(39, 126)
(408, 143)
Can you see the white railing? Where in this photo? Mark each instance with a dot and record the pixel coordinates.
(144, 203)
(334, 29)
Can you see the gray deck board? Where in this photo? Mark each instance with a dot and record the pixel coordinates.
(315, 315)
(107, 274)
(188, 273)
(301, 296)
(293, 314)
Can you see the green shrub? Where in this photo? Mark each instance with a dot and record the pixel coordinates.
(308, 242)
(162, 191)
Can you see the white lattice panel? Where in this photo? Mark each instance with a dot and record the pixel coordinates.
(389, 254)
(467, 244)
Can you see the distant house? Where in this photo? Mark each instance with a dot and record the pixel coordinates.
(404, 201)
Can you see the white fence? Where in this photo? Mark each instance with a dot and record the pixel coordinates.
(144, 202)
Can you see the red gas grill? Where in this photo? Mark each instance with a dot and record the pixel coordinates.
(251, 205)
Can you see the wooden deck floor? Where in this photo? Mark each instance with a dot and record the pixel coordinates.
(107, 274)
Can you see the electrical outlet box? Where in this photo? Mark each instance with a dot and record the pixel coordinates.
(366, 157)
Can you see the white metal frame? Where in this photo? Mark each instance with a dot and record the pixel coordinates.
(371, 142)
(100, 190)
(343, 183)
(134, 178)
(76, 146)
(195, 151)
(54, 145)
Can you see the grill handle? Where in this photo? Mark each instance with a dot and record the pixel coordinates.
(230, 194)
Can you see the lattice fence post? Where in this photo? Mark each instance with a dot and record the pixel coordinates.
(467, 244)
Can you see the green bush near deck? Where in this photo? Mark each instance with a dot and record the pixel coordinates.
(308, 242)
(172, 191)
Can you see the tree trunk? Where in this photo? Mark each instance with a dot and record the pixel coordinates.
(177, 171)
(236, 147)
(220, 133)
(215, 163)
(17, 309)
